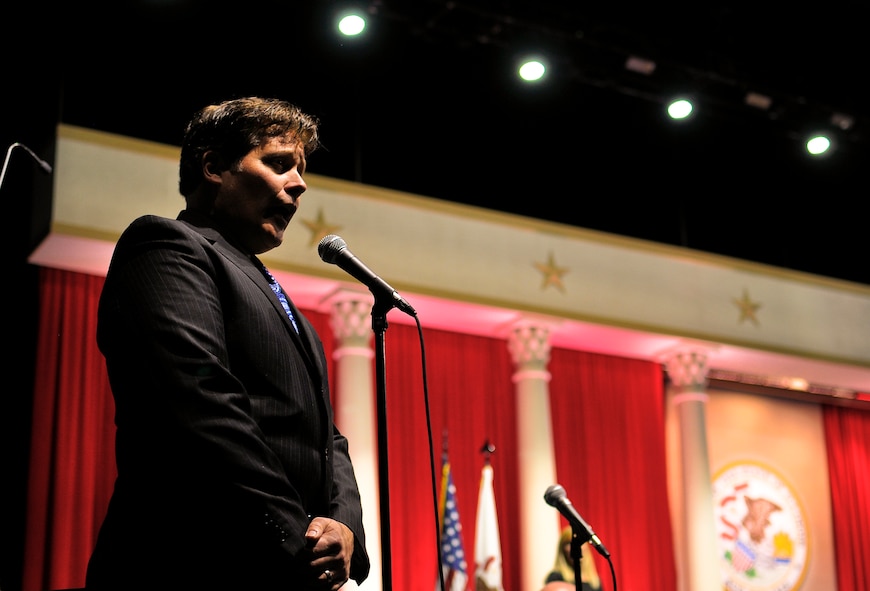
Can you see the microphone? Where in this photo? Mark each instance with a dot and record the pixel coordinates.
(556, 497)
(332, 249)
(45, 166)
(42, 163)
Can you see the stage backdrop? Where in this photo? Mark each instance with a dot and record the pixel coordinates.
(469, 401)
(488, 258)
(609, 424)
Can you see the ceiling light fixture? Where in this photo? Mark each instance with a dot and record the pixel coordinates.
(640, 65)
(757, 100)
(842, 121)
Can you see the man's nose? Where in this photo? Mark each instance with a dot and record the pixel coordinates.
(295, 185)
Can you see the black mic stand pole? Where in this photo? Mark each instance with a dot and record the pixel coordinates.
(576, 557)
(379, 327)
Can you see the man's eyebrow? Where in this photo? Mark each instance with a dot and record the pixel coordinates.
(282, 153)
(293, 148)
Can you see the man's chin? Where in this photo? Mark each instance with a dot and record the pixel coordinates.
(270, 237)
(276, 239)
(276, 223)
(276, 226)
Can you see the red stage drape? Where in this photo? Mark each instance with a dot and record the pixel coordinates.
(72, 441)
(847, 439)
(608, 418)
(608, 424)
(471, 401)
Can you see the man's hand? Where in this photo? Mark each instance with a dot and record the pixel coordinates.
(330, 544)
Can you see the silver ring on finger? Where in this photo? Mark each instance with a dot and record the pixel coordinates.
(328, 574)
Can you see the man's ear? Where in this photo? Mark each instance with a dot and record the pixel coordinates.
(212, 166)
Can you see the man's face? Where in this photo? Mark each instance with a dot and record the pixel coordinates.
(258, 197)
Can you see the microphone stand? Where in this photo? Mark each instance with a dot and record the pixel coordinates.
(576, 557)
(379, 327)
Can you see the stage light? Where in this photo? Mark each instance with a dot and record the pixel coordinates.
(680, 108)
(818, 144)
(351, 25)
(532, 70)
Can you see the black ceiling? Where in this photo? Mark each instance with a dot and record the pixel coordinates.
(426, 103)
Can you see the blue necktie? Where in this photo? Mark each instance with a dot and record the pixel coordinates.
(282, 297)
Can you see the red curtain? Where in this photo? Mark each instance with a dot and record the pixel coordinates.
(470, 397)
(72, 441)
(847, 439)
(608, 424)
(609, 434)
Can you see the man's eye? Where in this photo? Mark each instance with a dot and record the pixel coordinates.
(280, 164)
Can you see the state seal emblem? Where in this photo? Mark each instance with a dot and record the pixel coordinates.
(761, 528)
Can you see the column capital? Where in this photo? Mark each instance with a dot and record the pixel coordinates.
(687, 367)
(529, 344)
(350, 316)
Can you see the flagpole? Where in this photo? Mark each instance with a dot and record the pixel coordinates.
(487, 543)
(487, 450)
(453, 568)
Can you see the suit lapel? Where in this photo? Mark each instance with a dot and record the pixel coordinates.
(304, 338)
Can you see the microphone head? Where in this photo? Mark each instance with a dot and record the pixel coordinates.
(554, 494)
(329, 248)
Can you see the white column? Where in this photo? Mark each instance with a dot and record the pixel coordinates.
(687, 370)
(355, 412)
(529, 345)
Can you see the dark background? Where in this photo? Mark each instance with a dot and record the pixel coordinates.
(427, 102)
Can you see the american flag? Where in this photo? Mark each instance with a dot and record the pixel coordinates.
(453, 565)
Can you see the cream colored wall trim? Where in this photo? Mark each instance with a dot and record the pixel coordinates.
(443, 251)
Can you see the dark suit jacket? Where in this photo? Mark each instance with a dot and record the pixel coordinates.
(225, 441)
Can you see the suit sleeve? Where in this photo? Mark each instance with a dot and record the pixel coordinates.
(346, 507)
(345, 503)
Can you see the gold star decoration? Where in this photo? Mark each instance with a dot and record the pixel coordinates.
(319, 228)
(552, 273)
(747, 308)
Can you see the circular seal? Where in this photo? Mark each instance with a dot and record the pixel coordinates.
(761, 529)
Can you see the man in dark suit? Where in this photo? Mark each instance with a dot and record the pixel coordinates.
(231, 473)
